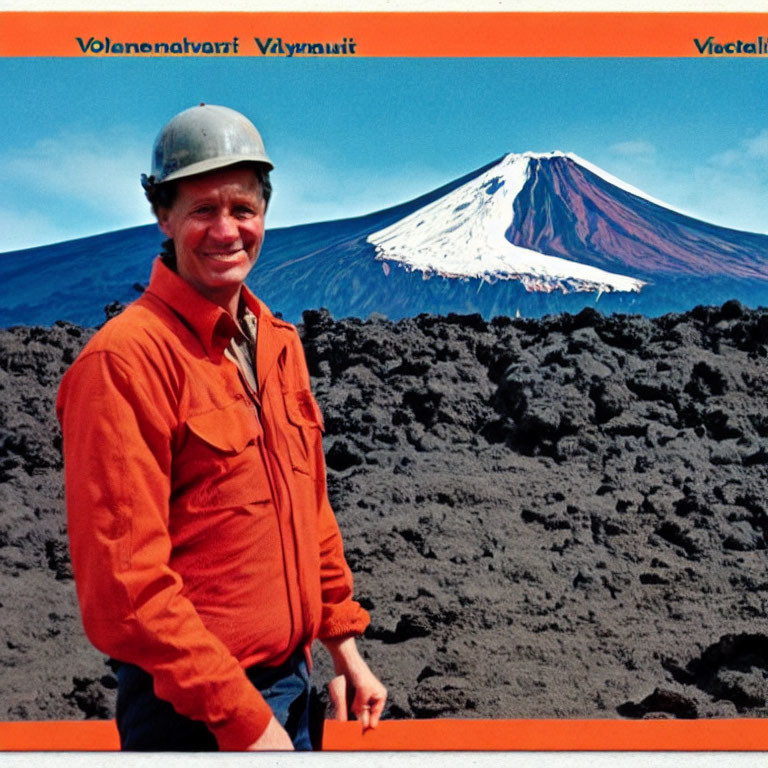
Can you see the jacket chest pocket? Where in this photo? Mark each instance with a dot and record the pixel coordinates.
(220, 464)
(305, 424)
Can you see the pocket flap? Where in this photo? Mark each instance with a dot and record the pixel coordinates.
(302, 409)
(228, 429)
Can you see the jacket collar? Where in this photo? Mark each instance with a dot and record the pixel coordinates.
(212, 324)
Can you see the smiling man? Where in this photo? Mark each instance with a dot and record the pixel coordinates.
(206, 556)
(216, 224)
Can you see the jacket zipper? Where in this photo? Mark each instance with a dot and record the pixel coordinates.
(266, 455)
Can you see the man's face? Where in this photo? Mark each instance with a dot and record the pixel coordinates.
(217, 227)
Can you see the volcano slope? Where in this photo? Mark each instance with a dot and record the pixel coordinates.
(563, 517)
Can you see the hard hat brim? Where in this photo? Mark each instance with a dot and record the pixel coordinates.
(214, 164)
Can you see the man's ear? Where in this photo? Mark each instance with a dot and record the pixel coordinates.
(163, 221)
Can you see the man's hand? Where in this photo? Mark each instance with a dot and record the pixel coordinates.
(370, 694)
(273, 738)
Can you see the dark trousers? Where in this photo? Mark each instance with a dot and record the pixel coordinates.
(146, 723)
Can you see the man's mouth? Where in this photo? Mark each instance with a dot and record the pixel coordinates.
(224, 255)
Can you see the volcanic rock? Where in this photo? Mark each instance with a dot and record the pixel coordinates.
(562, 517)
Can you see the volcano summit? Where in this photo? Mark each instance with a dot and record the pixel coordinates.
(467, 233)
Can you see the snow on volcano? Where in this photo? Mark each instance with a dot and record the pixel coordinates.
(464, 234)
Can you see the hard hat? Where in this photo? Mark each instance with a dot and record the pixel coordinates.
(203, 139)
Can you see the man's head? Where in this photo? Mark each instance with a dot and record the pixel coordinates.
(216, 224)
(209, 189)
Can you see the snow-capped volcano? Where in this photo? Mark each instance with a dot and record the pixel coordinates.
(530, 233)
(465, 234)
(555, 221)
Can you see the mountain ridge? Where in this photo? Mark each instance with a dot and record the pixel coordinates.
(530, 233)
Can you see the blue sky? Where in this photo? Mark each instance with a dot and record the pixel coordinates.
(351, 136)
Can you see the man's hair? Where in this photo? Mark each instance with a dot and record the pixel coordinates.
(163, 195)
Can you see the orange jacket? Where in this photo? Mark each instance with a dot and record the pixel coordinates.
(201, 535)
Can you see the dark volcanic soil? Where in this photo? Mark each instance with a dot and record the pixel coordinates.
(557, 518)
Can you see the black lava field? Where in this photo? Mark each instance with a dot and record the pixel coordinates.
(554, 518)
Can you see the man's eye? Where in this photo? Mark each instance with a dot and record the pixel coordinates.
(243, 211)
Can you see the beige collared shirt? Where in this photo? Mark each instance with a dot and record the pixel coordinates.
(242, 348)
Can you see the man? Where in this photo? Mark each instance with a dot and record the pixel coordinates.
(206, 555)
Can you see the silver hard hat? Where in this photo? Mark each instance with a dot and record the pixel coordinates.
(203, 139)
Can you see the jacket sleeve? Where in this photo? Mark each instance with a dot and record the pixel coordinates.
(117, 457)
(341, 615)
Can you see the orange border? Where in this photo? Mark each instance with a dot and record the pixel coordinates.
(502, 34)
(385, 34)
(747, 735)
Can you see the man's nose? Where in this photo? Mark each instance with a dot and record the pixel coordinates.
(224, 228)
